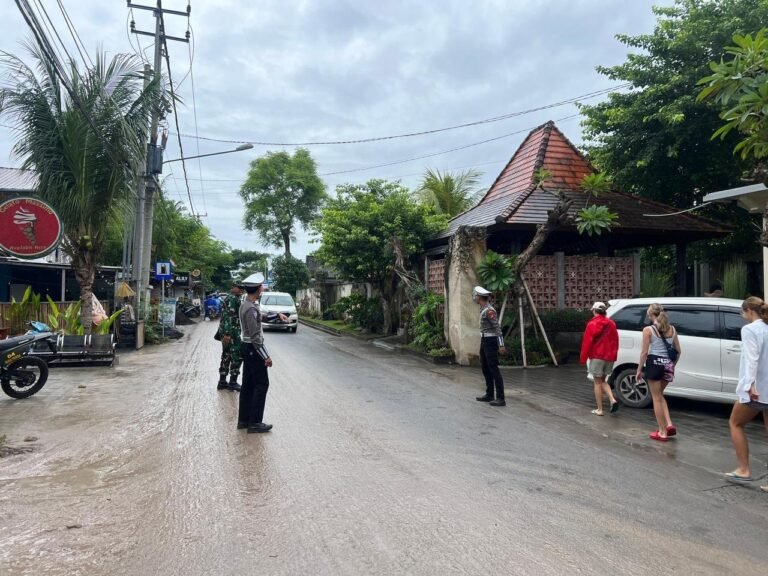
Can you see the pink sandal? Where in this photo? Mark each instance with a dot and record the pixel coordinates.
(671, 431)
(658, 437)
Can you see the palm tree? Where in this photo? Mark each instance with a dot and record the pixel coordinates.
(86, 149)
(450, 193)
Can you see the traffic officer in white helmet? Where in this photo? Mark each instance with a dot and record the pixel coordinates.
(491, 343)
(256, 358)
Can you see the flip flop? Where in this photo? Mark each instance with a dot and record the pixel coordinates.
(671, 431)
(614, 407)
(733, 477)
(596, 412)
(658, 437)
(764, 488)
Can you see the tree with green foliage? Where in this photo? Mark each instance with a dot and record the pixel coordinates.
(655, 139)
(291, 274)
(740, 85)
(247, 262)
(87, 148)
(281, 191)
(360, 227)
(450, 193)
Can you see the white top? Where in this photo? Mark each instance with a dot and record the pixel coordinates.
(753, 365)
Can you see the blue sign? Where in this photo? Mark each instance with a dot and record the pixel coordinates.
(163, 271)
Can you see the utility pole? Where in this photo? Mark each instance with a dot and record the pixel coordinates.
(153, 160)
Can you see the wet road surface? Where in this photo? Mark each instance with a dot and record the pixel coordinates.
(378, 464)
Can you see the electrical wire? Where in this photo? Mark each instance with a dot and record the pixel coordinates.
(197, 141)
(572, 100)
(176, 120)
(75, 36)
(442, 151)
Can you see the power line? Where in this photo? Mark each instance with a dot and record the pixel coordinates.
(73, 32)
(572, 100)
(442, 151)
(194, 111)
(176, 118)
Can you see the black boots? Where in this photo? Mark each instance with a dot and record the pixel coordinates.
(498, 402)
(233, 385)
(222, 384)
(485, 398)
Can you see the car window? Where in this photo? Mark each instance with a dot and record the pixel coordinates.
(701, 323)
(630, 318)
(732, 324)
(277, 300)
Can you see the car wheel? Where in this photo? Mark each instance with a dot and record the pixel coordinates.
(629, 391)
(294, 329)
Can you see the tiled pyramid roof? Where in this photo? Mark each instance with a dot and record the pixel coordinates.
(514, 198)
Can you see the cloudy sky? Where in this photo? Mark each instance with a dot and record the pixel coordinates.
(285, 71)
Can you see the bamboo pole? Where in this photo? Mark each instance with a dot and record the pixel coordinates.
(538, 320)
(522, 332)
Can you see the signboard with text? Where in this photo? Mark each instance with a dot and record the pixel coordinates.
(29, 228)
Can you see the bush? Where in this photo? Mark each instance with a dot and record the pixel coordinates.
(536, 351)
(735, 280)
(359, 311)
(427, 323)
(564, 320)
(656, 282)
(291, 274)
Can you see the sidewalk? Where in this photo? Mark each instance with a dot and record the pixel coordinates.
(703, 436)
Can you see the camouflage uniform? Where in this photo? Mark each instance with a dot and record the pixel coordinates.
(231, 358)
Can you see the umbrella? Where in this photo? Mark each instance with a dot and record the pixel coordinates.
(124, 291)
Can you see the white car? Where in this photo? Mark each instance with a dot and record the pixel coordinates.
(709, 330)
(280, 302)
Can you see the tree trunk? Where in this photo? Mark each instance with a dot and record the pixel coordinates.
(556, 218)
(286, 234)
(85, 271)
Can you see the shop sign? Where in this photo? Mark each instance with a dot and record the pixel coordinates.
(29, 228)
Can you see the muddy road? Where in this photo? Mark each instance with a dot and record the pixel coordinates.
(377, 464)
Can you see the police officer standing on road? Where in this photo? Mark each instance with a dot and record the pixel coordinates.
(229, 333)
(256, 358)
(491, 343)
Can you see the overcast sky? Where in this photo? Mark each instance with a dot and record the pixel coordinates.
(316, 70)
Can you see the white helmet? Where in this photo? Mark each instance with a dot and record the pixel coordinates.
(480, 291)
(253, 280)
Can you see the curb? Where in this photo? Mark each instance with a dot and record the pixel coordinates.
(320, 327)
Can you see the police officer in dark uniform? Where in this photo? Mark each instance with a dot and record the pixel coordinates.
(491, 343)
(256, 358)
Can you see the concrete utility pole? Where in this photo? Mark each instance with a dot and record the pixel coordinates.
(153, 159)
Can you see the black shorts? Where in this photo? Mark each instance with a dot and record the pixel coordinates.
(659, 368)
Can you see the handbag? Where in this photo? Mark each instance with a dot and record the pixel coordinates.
(217, 336)
(671, 350)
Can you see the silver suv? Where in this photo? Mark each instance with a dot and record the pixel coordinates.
(710, 338)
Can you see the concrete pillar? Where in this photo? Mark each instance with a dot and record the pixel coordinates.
(466, 251)
(681, 282)
(765, 264)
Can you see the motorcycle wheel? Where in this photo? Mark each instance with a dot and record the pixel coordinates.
(24, 377)
(194, 313)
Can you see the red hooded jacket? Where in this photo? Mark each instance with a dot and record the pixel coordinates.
(601, 340)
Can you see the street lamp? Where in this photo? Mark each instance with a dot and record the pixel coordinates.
(238, 149)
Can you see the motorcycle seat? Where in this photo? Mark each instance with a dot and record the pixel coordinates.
(15, 341)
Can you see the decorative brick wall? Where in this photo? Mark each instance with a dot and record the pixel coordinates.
(591, 278)
(436, 276)
(541, 275)
(585, 280)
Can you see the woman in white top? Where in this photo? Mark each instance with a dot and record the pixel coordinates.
(752, 389)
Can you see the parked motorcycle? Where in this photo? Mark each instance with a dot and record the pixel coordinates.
(21, 373)
(189, 310)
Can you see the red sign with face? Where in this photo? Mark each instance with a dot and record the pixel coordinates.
(29, 228)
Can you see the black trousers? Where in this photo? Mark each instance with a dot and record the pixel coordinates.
(489, 362)
(253, 394)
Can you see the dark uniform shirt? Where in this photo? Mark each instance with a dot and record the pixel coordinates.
(489, 324)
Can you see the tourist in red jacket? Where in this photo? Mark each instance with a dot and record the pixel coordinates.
(600, 346)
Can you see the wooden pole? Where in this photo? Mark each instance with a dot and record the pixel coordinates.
(538, 320)
(522, 332)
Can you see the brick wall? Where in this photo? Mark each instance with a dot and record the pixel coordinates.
(436, 276)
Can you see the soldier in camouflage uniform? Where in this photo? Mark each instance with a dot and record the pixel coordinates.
(229, 331)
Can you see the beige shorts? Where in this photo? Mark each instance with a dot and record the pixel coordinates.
(600, 368)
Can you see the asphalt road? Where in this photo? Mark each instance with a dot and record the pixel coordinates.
(377, 464)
